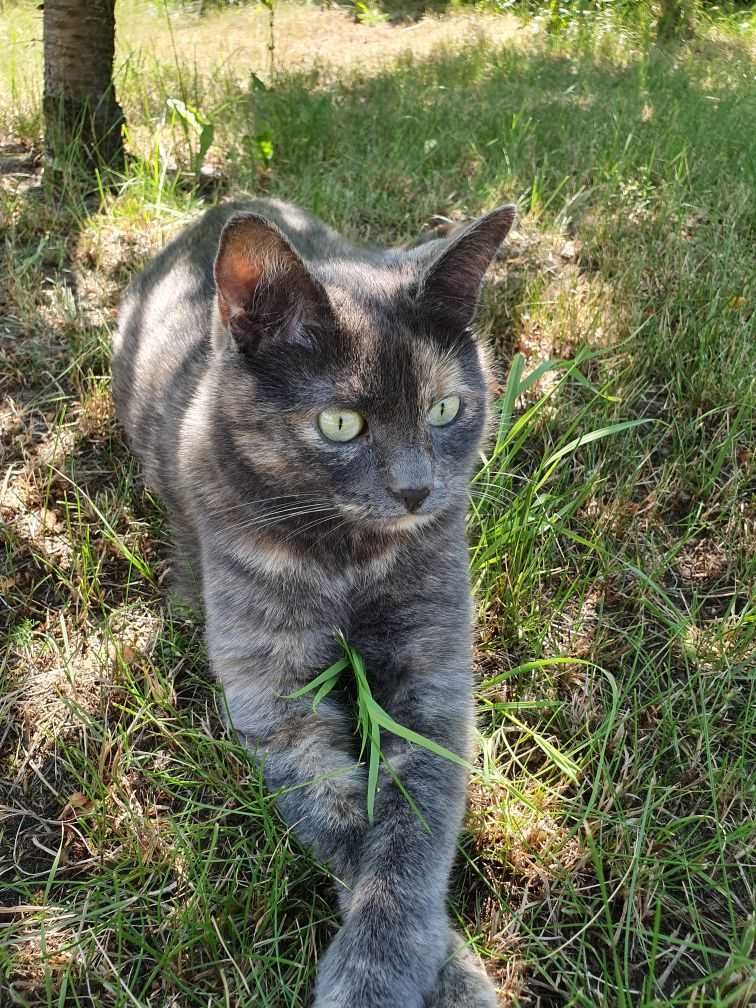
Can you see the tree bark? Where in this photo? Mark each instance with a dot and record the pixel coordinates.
(675, 20)
(83, 121)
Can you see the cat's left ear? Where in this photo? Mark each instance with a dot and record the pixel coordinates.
(265, 291)
(450, 287)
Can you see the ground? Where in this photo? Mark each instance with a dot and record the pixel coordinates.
(609, 849)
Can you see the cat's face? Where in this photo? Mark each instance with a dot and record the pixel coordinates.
(352, 393)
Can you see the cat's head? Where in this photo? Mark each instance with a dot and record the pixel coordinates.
(352, 384)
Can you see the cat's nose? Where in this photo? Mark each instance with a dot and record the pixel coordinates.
(411, 497)
(409, 477)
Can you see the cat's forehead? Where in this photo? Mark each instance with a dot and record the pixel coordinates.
(385, 356)
(386, 350)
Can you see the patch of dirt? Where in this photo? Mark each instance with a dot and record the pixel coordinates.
(702, 563)
(20, 168)
(575, 307)
(57, 678)
(574, 630)
(44, 957)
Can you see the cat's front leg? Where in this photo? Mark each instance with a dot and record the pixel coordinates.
(396, 937)
(307, 756)
(306, 763)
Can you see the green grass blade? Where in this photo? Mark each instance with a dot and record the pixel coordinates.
(530, 666)
(385, 721)
(567, 766)
(372, 782)
(331, 673)
(110, 532)
(405, 794)
(511, 391)
(323, 691)
(589, 438)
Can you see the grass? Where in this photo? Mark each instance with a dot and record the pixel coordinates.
(608, 858)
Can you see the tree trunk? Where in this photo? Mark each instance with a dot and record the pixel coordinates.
(675, 20)
(83, 120)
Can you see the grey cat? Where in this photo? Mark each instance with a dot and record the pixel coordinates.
(311, 412)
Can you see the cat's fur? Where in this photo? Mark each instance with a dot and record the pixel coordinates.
(220, 372)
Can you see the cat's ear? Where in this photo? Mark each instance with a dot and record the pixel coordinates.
(265, 292)
(450, 286)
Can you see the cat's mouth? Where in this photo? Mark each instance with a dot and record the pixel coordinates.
(387, 523)
(408, 521)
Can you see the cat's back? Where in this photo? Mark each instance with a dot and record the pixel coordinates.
(161, 345)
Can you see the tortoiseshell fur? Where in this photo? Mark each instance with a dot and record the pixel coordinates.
(230, 343)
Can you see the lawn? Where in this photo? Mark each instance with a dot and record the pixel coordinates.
(608, 857)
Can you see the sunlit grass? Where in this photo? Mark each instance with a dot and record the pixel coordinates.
(608, 858)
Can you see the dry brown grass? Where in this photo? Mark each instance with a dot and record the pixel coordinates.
(305, 36)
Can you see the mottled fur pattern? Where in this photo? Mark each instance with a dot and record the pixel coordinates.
(230, 343)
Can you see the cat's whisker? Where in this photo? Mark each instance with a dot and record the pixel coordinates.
(495, 498)
(496, 510)
(419, 528)
(333, 530)
(496, 484)
(311, 525)
(264, 500)
(488, 488)
(218, 512)
(266, 520)
(316, 499)
(489, 484)
(288, 512)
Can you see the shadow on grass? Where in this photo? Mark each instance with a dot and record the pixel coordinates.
(629, 239)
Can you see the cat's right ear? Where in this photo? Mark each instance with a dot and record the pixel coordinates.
(265, 292)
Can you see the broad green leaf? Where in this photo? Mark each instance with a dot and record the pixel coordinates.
(205, 141)
(191, 116)
(265, 148)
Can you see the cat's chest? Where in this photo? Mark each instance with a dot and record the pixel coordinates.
(304, 589)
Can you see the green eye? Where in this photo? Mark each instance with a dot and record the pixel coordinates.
(444, 411)
(340, 425)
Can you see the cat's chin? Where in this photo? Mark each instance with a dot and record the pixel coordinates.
(407, 522)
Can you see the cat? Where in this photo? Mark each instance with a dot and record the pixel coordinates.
(311, 411)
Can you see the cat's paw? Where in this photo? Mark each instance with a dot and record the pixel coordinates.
(350, 977)
(362, 992)
(462, 982)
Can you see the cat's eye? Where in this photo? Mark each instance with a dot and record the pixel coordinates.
(444, 411)
(340, 425)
